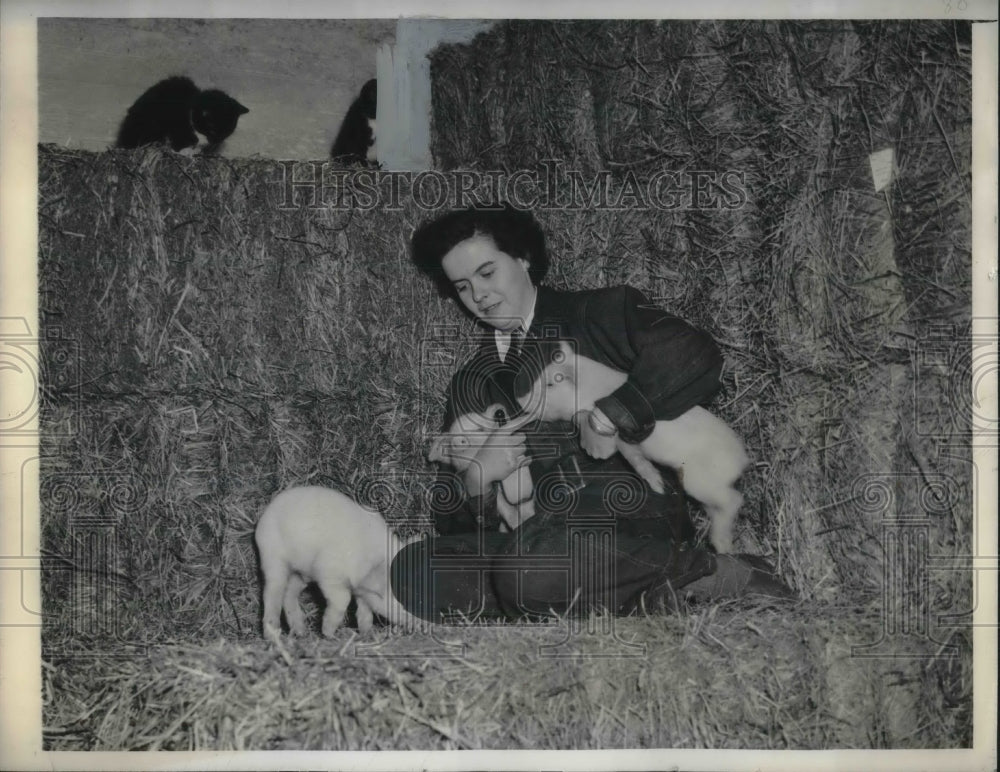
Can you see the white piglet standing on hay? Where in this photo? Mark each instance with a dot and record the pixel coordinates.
(708, 455)
(317, 534)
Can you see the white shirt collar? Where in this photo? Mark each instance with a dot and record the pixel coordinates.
(503, 338)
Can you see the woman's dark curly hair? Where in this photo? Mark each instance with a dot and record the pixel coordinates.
(513, 232)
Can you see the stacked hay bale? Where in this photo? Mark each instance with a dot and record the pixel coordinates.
(843, 310)
(225, 343)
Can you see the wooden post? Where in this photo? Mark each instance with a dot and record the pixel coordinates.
(403, 121)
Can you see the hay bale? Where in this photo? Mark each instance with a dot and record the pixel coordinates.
(227, 348)
(730, 676)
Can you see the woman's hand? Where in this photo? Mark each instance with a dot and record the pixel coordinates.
(598, 436)
(502, 454)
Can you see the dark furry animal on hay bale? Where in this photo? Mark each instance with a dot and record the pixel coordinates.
(355, 142)
(173, 110)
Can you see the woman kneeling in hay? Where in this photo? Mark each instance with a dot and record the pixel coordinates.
(493, 262)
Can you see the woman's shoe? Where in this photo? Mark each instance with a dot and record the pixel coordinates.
(737, 576)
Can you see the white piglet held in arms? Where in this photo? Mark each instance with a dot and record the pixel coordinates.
(314, 534)
(706, 453)
(467, 434)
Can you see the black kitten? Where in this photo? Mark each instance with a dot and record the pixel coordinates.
(173, 110)
(355, 143)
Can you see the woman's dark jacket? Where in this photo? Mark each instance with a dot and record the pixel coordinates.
(671, 367)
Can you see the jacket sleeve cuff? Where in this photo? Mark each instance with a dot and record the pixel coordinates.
(630, 411)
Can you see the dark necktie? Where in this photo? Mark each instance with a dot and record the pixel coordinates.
(516, 340)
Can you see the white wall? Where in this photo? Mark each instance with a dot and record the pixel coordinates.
(404, 73)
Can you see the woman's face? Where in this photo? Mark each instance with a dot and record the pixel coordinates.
(494, 286)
